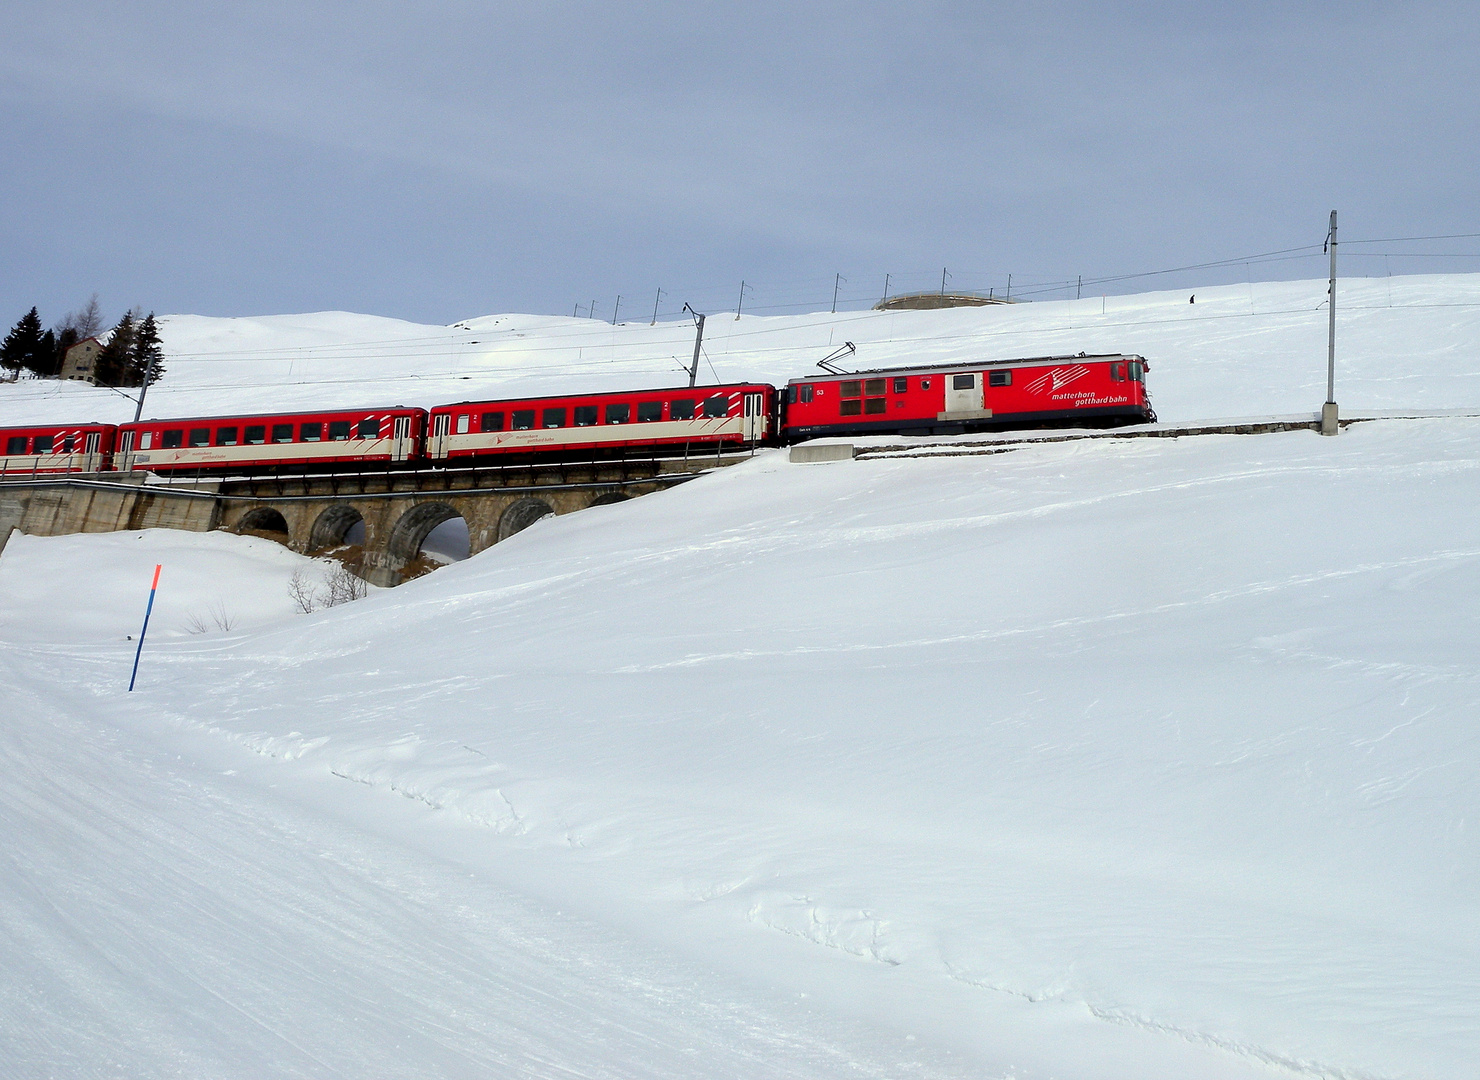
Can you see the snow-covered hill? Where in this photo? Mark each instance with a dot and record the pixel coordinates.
(1239, 350)
(1141, 758)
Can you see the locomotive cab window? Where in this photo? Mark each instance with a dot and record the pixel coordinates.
(1138, 371)
(963, 382)
(226, 436)
(1117, 372)
(648, 411)
(553, 418)
(716, 407)
(16, 444)
(999, 378)
(171, 439)
(618, 413)
(901, 384)
(585, 415)
(523, 419)
(311, 433)
(682, 409)
(806, 393)
(338, 430)
(492, 421)
(41, 444)
(255, 434)
(369, 429)
(281, 433)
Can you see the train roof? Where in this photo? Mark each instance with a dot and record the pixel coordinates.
(307, 415)
(968, 365)
(610, 393)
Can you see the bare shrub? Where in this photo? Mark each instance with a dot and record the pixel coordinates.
(304, 595)
(216, 617)
(344, 586)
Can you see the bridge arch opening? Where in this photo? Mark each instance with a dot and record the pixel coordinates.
(609, 498)
(432, 533)
(336, 527)
(521, 515)
(266, 522)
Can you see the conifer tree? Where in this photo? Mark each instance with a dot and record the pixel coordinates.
(144, 365)
(112, 364)
(22, 346)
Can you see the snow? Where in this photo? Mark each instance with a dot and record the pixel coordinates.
(1107, 758)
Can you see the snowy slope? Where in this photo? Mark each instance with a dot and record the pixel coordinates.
(1404, 343)
(1143, 758)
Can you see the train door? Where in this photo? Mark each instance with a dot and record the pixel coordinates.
(125, 451)
(963, 395)
(755, 418)
(437, 444)
(401, 439)
(90, 461)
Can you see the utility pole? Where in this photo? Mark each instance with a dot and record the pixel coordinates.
(655, 308)
(1329, 425)
(886, 287)
(738, 304)
(837, 280)
(942, 282)
(698, 340)
(1009, 288)
(1079, 288)
(148, 378)
(616, 309)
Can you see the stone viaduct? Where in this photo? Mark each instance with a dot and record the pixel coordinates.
(396, 510)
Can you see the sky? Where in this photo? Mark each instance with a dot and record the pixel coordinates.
(447, 160)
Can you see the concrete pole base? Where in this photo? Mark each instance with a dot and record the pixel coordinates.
(1329, 426)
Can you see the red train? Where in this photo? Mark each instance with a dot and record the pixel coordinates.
(943, 399)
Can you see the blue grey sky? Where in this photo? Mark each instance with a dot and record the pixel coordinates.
(448, 159)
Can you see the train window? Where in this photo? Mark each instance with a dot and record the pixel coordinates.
(683, 409)
(901, 384)
(492, 421)
(553, 418)
(282, 433)
(171, 439)
(146, 440)
(523, 419)
(200, 436)
(806, 393)
(648, 411)
(464, 420)
(585, 415)
(873, 387)
(69, 443)
(255, 434)
(999, 378)
(874, 405)
(226, 436)
(618, 414)
(717, 406)
(963, 382)
(850, 408)
(1117, 373)
(338, 430)
(924, 384)
(41, 444)
(16, 444)
(311, 433)
(369, 428)
(1138, 371)
(852, 388)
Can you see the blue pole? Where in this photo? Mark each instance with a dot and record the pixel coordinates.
(147, 611)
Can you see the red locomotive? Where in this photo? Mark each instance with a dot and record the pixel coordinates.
(948, 399)
(293, 439)
(736, 415)
(56, 449)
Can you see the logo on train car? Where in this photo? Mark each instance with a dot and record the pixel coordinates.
(1056, 379)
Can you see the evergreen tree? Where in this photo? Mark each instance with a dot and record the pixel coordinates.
(112, 364)
(22, 346)
(50, 358)
(145, 359)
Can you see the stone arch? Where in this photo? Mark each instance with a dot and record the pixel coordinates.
(412, 528)
(609, 498)
(332, 526)
(264, 519)
(521, 515)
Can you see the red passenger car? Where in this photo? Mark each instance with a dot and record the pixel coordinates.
(739, 415)
(948, 399)
(306, 440)
(66, 449)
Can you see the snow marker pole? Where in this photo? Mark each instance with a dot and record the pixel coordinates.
(154, 586)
